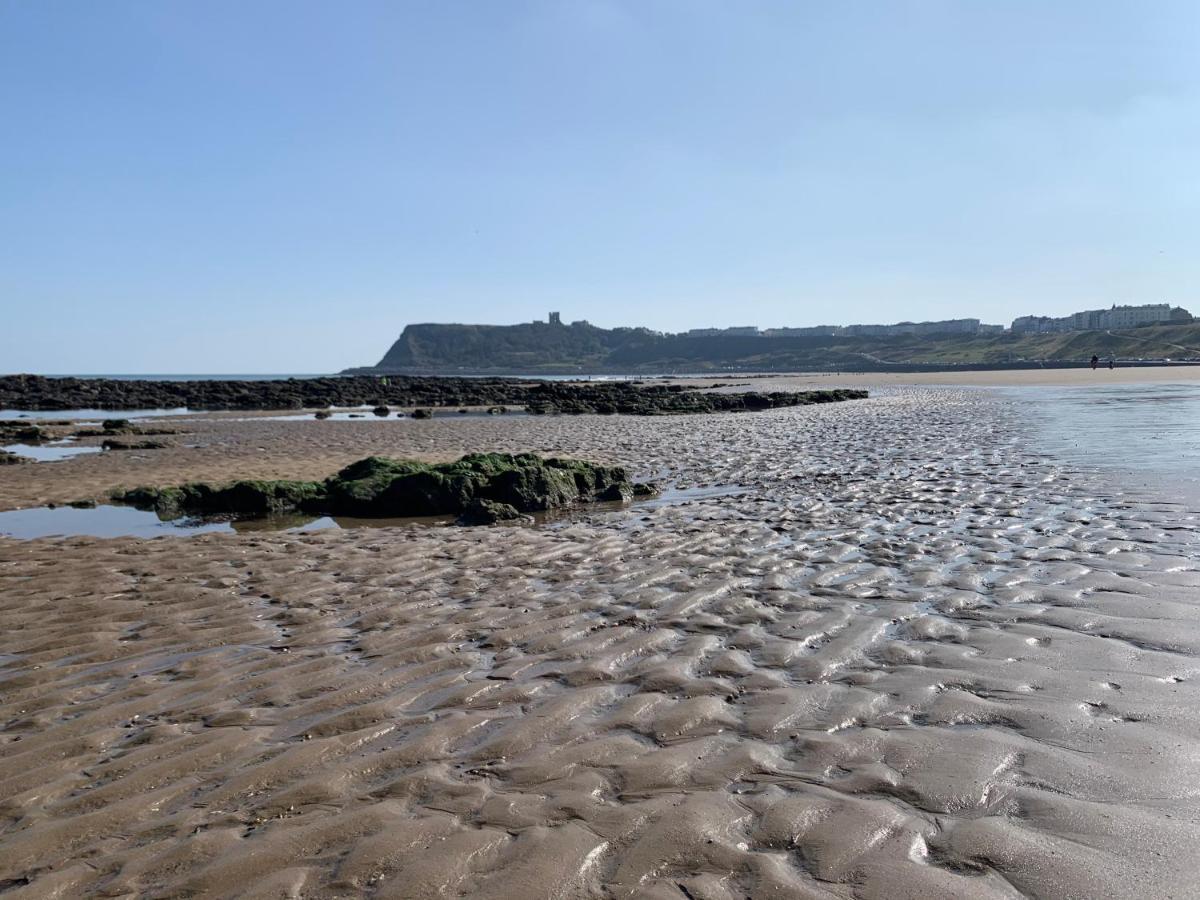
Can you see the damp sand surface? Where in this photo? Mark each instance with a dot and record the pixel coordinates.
(114, 520)
(918, 655)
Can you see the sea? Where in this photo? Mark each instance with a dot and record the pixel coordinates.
(1139, 436)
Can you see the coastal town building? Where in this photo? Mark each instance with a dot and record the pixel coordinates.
(1116, 316)
(810, 331)
(945, 326)
(1103, 319)
(736, 331)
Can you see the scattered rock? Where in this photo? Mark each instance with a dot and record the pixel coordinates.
(617, 493)
(422, 414)
(489, 512)
(133, 445)
(382, 411)
(16, 431)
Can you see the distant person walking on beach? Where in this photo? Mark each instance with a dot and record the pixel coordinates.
(1112, 363)
(1095, 361)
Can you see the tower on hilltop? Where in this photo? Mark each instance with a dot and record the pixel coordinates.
(555, 319)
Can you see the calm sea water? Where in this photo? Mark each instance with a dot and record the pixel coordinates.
(243, 377)
(284, 377)
(1138, 436)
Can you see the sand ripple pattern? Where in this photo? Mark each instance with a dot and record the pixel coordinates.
(912, 659)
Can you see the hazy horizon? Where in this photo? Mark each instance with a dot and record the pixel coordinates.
(283, 187)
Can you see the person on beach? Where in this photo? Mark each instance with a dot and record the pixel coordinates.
(1095, 361)
(1112, 363)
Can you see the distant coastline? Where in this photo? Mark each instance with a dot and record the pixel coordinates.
(582, 349)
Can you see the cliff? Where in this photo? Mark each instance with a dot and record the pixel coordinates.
(545, 348)
(529, 347)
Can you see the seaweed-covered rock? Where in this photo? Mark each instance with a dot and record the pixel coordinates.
(384, 488)
(239, 498)
(322, 414)
(422, 413)
(11, 459)
(17, 431)
(116, 426)
(616, 493)
(382, 411)
(489, 512)
(379, 486)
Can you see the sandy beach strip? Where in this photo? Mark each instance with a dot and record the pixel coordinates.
(912, 656)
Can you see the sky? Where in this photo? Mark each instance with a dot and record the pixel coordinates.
(282, 186)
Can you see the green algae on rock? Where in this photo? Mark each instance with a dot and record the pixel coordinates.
(239, 498)
(489, 512)
(480, 487)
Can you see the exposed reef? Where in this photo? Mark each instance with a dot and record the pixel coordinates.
(36, 392)
(480, 488)
(619, 397)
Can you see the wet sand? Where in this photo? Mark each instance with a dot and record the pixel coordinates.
(916, 657)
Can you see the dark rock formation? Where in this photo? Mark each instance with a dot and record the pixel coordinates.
(18, 431)
(479, 486)
(36, 392)
(489, 512)
(382, 411)
(422, 414)
(620, 397)
(250, 498)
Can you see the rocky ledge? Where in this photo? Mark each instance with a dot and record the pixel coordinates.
(35, 392)
(480, 488)
(662, 399)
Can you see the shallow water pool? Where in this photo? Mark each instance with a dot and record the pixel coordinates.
(51, 452)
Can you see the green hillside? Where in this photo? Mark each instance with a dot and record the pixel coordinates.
(539, 347)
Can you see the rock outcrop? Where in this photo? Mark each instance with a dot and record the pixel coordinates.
(628, 398)
(479, 488)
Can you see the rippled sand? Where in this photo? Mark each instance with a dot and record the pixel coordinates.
(914, 658)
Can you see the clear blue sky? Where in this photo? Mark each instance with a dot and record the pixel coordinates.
(282, 186)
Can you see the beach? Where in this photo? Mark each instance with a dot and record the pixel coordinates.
(899, 647)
